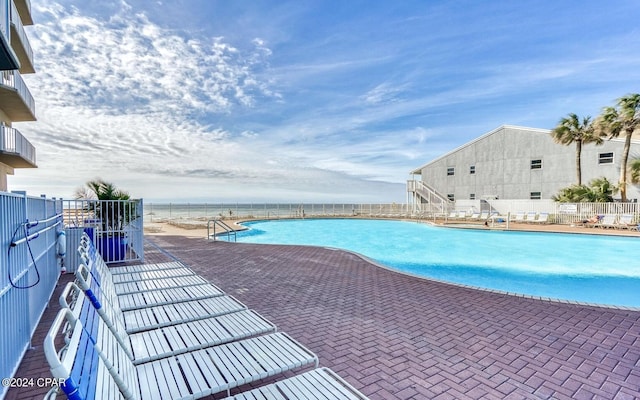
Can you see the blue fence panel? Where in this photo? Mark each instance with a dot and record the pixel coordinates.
(29, 271)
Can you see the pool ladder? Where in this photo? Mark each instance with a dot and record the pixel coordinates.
(228, 230)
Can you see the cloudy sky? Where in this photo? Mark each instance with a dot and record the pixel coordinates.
(303, 101)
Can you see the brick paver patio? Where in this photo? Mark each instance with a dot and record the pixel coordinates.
(398, 337)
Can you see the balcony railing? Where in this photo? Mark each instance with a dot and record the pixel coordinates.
(15, 150)
(15, 99)
(8, 59)
(20, 43)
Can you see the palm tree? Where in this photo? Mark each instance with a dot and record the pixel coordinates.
(602, 190)
(114, 215)
(570, 130)
(622, 119)
(599, 190)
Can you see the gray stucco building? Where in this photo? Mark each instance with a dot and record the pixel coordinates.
(514, 162)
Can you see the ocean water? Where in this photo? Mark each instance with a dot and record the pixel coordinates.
(583, 268)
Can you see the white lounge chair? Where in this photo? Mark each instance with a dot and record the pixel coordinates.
(530, 216)
(151, 317)
(130, 301)
(172, 340)
(137, 282)
(87, 249)
(543, 218)
(626, 221)
(519, 216)
(165, 266)
(319, 384)
(192, 375)
(608, 221)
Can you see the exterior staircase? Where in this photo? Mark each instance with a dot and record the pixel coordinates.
(427, 200)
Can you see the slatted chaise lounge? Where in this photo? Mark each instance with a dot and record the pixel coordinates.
(607, 221)
(172, 340)
(87, 245)
(131, 301)
(93, 349)
(164, 266)
(129, 284)
(530, 216)
(625, 221)
(318, 384)
(543, 218)
(142, 319)
(520, 215)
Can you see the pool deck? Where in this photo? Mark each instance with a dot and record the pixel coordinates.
(398, 337)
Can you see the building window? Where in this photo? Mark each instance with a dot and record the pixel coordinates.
(472, 196)
(605, 158)
(472, 169)
(535, 196)
(536, 164)
(451, 171)
(451, 197)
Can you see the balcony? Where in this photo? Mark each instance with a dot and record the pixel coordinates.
(8, 59)
(24, 9)
(15, 150)
(20, 43)
(15, 99)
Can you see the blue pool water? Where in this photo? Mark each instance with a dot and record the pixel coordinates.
(584, 268)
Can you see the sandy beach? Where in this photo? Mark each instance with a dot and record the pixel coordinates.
(191, 229)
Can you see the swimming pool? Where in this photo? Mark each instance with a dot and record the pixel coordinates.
(583, 268)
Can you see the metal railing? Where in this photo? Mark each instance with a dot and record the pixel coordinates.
(226, 229)
(200, 214)
(177, 212)
(30, 271)
(19, 27)
(426, 199)
(4, 22)
(559, 213)
(12, 141)
(13, 80)
(116, 226)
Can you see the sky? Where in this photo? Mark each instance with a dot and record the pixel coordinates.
(303, 101)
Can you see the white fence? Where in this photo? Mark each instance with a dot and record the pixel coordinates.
(560, 213)
(30, 271)
(206, 211)
(116, 227)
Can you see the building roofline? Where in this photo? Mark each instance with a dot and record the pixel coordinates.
(418, 171)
